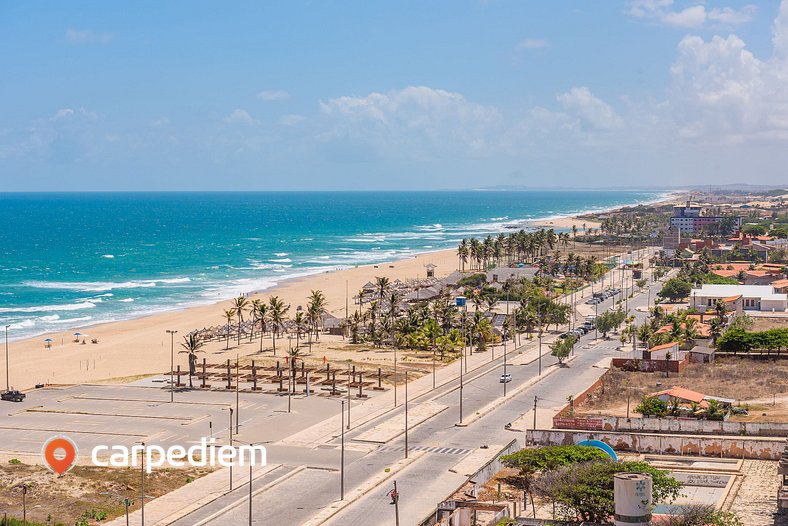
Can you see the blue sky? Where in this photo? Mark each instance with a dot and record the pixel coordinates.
(391, 95)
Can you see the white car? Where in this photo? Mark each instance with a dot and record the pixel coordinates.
(506, 378)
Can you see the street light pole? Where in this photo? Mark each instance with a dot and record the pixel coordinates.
(406, 414)
(142, 486)
(342, 458)
(7, 381)
(172, 362)
(348, 396)
(230, 431)
(504, 341)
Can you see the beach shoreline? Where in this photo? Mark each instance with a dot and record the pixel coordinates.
(141, 345)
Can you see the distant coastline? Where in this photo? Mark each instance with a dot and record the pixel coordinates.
(74, 303)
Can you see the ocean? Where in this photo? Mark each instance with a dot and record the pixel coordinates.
(70, 260)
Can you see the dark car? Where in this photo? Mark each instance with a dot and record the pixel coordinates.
(12, 396)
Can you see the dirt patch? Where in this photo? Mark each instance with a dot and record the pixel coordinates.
(66, 499)
(761, 384)
(762, 323)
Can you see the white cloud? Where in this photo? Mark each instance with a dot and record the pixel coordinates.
(593, 111)
(417, 119)
(533, 43)
(691, 16)
(291, 119)
(87, 37)
(239, 116)
(721, 91)
(273, 95)
(694, 16)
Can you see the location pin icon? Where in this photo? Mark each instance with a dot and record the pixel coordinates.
(59, 453)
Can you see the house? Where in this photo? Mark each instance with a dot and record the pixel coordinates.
(703, 330)
(430, 270)
(740, 297)
(780, 286)
(666, 351)
(687, 397)
(502, 274)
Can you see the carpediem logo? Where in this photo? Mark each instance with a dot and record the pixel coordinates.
(60, 455)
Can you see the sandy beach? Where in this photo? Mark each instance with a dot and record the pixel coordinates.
(139, 347)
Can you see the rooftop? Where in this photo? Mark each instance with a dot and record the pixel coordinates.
(749, 291)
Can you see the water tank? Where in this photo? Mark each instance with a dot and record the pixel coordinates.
(632, 494)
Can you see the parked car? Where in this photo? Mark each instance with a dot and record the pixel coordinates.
(12, 396)
(583, 329)
(506, 378)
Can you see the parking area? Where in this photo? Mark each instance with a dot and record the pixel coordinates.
(132, 413)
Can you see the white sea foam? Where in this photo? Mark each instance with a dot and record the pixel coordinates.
(108, 256)
(51, 308)
(101, 286)
(26, 324)
(281, 254)
(281, 260)
(74, 320)
(51, 318)
(127, 300)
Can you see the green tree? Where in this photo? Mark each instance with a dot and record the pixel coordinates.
(562, 348)
(530, 461)
(652, 406)
(277, 313)
(239, 304)
(228, 314)
(675, 289)
(585, 491)
(702, 515)
(191, 344)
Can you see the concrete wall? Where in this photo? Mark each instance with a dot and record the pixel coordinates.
(765, 448)
(690, 426)
(650, 366)
(494, 465)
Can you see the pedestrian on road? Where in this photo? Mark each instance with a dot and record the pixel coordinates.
(394, 494)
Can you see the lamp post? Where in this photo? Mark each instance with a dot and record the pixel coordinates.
(142, 486)
(342, 458)
(406, 414)
(7, 381)
(172, 362)
(348, 394)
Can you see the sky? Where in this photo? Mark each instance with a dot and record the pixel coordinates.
(397, 95)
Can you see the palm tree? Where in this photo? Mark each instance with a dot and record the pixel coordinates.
(383, 284)
(301, 326)
(574, 235)
(239, 304)
(229, 314)
(317, 304)
(261, 312)
(462, 253)
(191, 345)
(277, 313)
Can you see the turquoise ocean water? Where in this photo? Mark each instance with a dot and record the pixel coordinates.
(70, 260)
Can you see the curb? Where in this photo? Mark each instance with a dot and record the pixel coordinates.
(501, 400)
(360, 491)
(235, 503)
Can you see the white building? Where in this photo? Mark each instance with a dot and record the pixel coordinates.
(739, 297)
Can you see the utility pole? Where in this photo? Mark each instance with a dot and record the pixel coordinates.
(395, 376)
(342, 457)
(348, 396)
(461, 395)
(396, 505)
(406, 414)
(535, 399)
(172, 362)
